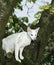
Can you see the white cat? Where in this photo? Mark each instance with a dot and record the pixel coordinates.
(16, 42)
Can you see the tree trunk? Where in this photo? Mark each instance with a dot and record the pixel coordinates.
(46, 24)
(6, 9)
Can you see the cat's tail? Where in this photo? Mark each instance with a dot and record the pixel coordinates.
(9, 55)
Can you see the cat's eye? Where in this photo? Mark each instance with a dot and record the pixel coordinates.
(31, 34)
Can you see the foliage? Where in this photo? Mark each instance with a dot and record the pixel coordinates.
(18, 5)
(14, 24)
(52, 10)
(32, 1)
(46, 6)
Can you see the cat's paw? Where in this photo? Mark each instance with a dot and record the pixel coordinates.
(18, 60)
(21, 57)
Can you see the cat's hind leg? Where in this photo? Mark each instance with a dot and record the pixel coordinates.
(21, 51)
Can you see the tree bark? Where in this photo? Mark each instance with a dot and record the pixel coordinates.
(6, 9)
(46, 24)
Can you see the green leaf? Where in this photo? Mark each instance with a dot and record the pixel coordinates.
(10, 19)
(52, 10)
(37, 14)
(46, 6)
(25, 19)
(32, 1)
(19, 6)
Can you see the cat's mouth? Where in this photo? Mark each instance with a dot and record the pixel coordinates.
(33, 39)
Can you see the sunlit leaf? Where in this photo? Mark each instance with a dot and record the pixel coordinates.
(46, 6)
(25, 19)
(10, 19)
(38, 14)
(52, 10)
(32, 1)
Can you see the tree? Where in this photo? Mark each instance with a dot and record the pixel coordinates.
(46, 24)
(6, 9)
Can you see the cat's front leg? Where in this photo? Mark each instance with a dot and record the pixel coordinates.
(21, 51)
(17, 52)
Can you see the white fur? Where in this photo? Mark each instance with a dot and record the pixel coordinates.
(16, 42)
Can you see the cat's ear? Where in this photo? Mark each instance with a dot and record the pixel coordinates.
(28, 29)
(37, 29)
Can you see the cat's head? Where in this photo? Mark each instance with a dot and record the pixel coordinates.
(32, 32)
